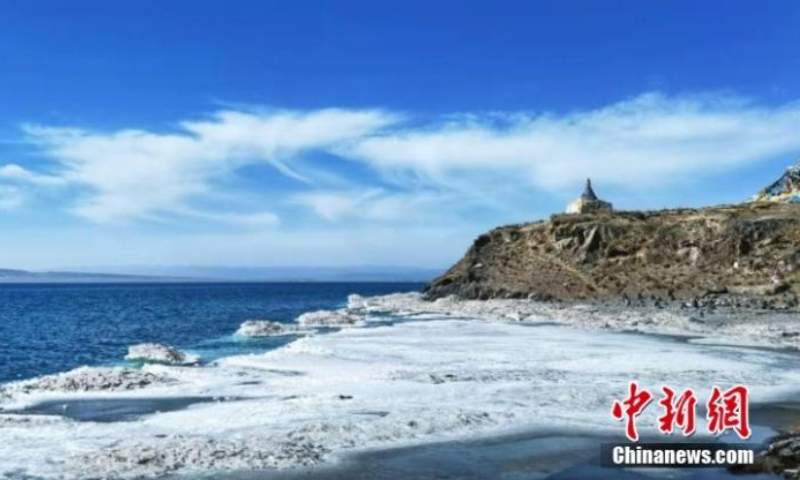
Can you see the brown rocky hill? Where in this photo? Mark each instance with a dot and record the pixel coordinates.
(738, 255)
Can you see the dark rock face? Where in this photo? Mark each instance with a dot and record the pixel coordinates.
(782, 457)
(736, 256)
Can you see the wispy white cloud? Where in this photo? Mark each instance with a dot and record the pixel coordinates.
(333, 205)
(135, 174)
(15, 173)
(251, 219)
(10, 197)
(17, 184)
(649, 140)
(374, 204)
(415, 169)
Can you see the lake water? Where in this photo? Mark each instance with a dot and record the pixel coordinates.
(52, 328)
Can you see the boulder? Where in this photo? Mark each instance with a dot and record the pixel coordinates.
(330, 318)
(782, 457)
(264, 328)
(158, 353)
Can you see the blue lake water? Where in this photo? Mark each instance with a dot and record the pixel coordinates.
(52, 328)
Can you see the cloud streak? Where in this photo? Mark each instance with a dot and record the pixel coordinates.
(137, 174)
(411, 166)
(373, 204)
(14, 173)
(648, 140)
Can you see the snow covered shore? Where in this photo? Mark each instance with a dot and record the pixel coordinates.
(442, 372)
(726, 326)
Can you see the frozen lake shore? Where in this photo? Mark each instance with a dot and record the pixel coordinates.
(730, 326)
(442, 371)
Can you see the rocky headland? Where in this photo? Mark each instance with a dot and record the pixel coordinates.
(726, 273)
(734, 256)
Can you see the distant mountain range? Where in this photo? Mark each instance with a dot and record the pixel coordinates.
(145, 274)
(23, 276)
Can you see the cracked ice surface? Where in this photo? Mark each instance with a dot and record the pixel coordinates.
(416, 381)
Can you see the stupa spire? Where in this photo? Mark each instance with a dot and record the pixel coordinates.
(588, 202)
(588, 192)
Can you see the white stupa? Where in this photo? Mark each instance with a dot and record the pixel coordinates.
(588, 202)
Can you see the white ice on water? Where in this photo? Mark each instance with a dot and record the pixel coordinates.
(431, 377)
(158, 353)
(331, 318)
(265, 328)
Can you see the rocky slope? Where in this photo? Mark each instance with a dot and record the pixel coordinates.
(738, 255)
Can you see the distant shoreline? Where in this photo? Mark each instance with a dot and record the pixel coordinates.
(212, 274)
(188, 281)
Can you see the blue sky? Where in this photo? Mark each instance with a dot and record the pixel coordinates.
(336, 133)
